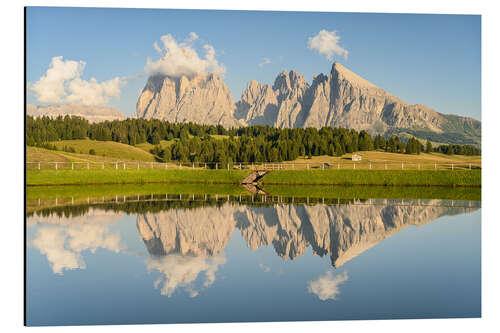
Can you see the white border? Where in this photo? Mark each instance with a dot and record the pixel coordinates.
(12, 165)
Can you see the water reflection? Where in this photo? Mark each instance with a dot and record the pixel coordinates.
(185, 242)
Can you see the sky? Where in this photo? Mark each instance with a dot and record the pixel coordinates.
(103, 56)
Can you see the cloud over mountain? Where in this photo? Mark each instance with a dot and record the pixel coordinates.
(62, 83)
(181, 58)
(327, 43)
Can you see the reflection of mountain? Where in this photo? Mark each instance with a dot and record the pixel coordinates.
(342, 232)
(185, 244)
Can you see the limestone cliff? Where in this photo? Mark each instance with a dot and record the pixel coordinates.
(202, 99)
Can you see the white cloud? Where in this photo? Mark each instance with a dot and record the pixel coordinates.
(181, 58)
(327, 286)
(181, 271)
(265, 61)
(62, 83)
(327, 43)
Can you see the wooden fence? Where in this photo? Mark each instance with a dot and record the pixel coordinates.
(137, 165)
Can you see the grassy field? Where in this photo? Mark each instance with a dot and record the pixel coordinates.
(375, 177)
(379, 160)
(133, 176)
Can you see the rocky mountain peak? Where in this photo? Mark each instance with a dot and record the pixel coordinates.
(340, 73)
(289, 81)
(203, 99)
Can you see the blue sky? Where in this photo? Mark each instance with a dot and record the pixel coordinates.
(428, 59)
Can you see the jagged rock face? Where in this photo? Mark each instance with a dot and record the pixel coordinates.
(341, 99)
(93, 114)
(280, 106)
(258, 105)
(342, 232)
(202, 99)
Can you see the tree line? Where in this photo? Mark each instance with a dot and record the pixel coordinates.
(189, 142)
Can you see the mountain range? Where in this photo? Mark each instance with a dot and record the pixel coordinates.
(340, 99)
(90, 112)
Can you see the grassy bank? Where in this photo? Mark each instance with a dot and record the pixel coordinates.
(469, 178)
(374, 177)
(142, 176)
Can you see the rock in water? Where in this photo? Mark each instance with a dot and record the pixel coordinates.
(202, 99)
(92, 113)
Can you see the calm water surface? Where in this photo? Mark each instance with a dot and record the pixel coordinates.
(161, 261)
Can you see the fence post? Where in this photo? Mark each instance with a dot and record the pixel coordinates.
(56, 165)
(354, 165)
(88, 165)
(370, 165)
(338, 165)
(72, 167)
(402, 167)
(451, 166)
(205, 165)
(38, 165)
(240, 166)
(307, 166)
(216, 166)
(435, 166)
(116, 165)
(124, 166)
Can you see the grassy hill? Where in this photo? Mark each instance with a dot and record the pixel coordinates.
(107, 149)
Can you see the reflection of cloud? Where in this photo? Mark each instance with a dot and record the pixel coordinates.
(327, 286)
(180, 271)
(265, 268)
(63, 245)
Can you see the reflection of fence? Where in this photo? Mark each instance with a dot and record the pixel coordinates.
(245, 199)
(136, 165)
